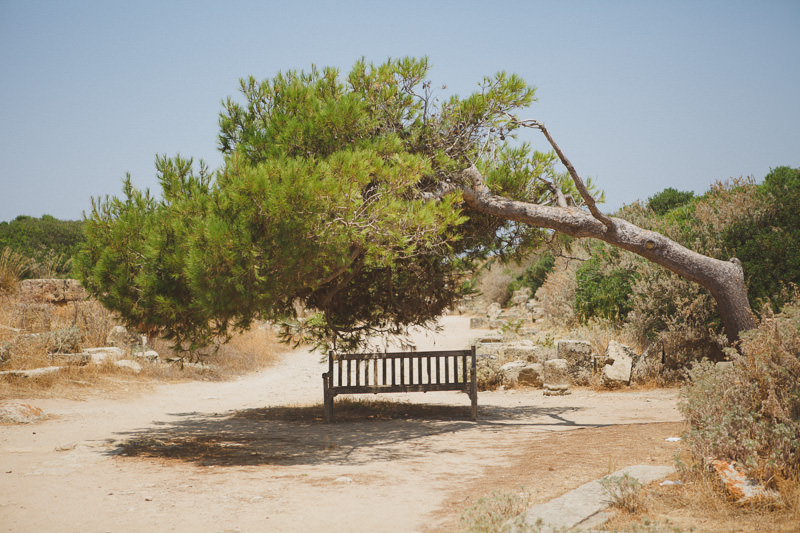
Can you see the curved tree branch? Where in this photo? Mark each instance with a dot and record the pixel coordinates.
(581, 186)
(724, 279)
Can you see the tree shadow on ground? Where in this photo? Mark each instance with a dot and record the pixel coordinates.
(363, 431)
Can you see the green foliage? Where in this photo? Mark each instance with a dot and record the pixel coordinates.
(603, 292)
(534, 275)
(318, 206)
(668, 200)
(766, 240)
(48, 241)
(750, 412)
(758, 224)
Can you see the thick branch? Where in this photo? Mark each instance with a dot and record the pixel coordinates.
(724, 279)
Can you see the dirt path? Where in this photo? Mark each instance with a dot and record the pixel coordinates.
(254, 455)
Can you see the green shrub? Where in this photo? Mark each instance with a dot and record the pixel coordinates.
(604, 286)
(669, 199)
(534, 275)
(48, 241)
(750, 412)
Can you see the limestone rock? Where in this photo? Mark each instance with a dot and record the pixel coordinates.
(98, 355)
(556, 377)
(120, 337)
(742, 489)
(129, 364)
(532, 375)
(20, 413)
(521, 296)
(53, 291)
(510, 371)
(618, 364)
(494, 310)
(32, 373)
(580, 362)
(148, 355)
(75, 359)
(521, 350)
(478, 322)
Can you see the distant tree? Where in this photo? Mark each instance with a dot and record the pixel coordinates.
(45, 239)
(365, 198)
(669, 199)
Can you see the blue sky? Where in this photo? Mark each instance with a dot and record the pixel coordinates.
(640, 95)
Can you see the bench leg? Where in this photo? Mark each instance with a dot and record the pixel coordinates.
(328, 399)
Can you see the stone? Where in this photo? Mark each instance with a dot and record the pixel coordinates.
(120, 337)
(32, 373)
(618, 364)
(580, 362)
(75, 359)
(510, 371)
(52, 291)
(130, 364)
(522, 350)
(150, 356)
(556, 377)
(742, 489)
(521, 296)
(489, 349)
(20, 413)
(99, 355)
(478, 322)
(494, 310)
(490, 338)
(532, 375)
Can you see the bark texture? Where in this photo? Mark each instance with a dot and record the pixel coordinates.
(723, 279)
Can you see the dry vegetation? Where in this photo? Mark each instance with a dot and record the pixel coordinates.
(35, 335)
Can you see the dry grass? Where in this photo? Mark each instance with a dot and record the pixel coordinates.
(12, 266)
(699, 504)
(33, 335)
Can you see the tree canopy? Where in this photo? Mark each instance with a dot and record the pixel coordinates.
(320, 206)
(364, 199)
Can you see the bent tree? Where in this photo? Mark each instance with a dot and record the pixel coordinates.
(364, 199)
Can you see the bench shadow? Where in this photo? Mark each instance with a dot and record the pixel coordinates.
(363, 431)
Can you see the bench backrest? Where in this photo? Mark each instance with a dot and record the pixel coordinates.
(401, 371)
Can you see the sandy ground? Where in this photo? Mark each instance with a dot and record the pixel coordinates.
(254, 454)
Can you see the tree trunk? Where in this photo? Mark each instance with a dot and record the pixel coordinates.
(724, 279)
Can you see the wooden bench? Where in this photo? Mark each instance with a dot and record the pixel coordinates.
(363, 373)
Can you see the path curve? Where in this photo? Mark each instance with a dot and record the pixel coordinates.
(253, 455)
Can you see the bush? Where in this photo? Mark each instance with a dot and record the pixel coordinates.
(669, 199)
(48, 241)
(603, 289)
(750, 412)
(534, 275)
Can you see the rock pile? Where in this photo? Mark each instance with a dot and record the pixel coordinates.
(51, 291)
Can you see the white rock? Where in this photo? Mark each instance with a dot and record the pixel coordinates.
(129, 364)
(619, 361)
(98, 355)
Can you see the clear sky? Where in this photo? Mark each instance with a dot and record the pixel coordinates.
(640, 95)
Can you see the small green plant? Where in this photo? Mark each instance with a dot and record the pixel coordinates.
(489, 513)
(624, 492)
